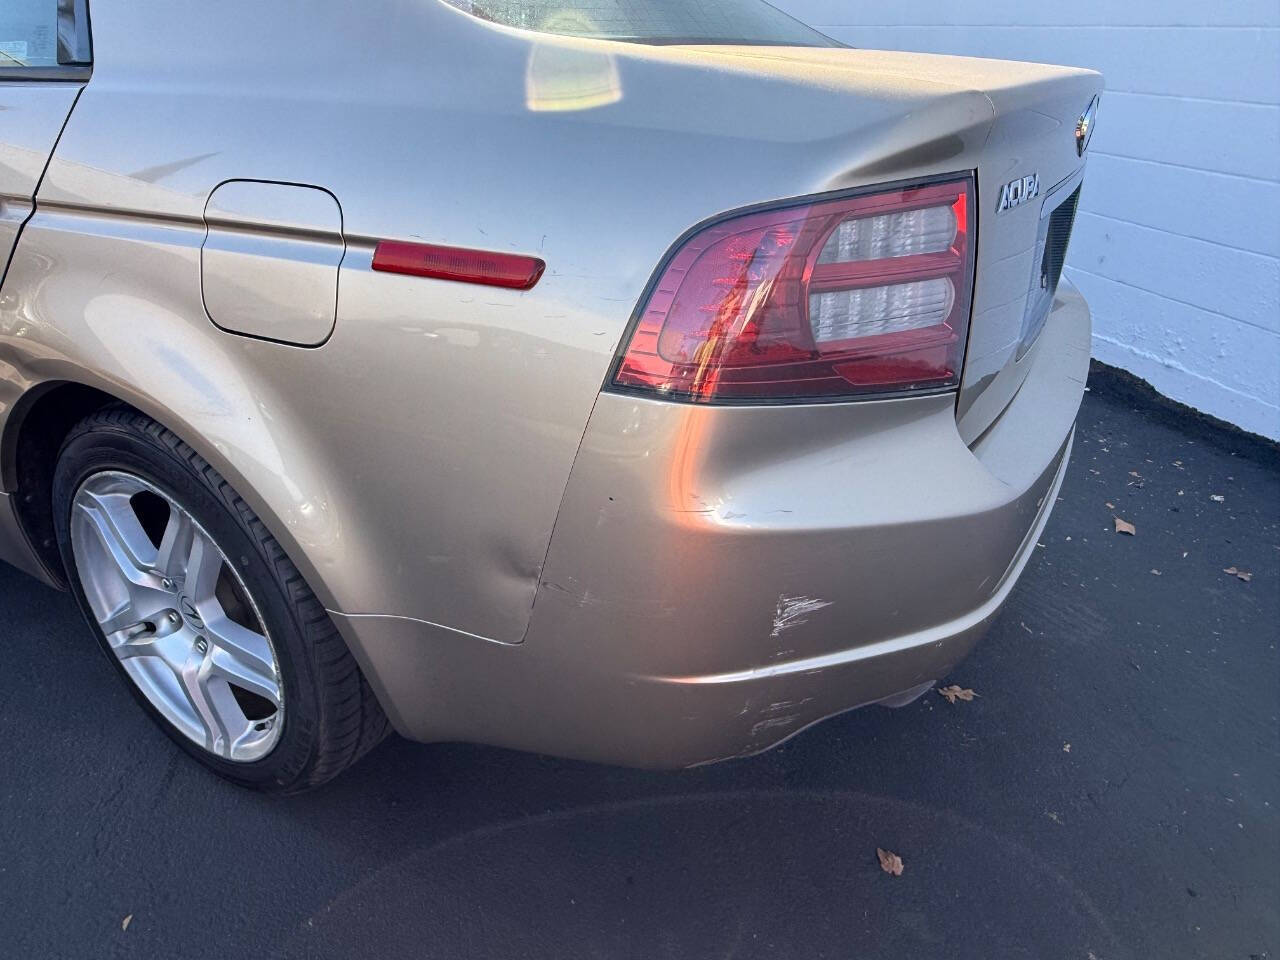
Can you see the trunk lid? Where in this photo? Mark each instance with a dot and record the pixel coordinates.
(1021, 245)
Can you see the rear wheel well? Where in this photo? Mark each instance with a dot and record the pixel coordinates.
(33, 435)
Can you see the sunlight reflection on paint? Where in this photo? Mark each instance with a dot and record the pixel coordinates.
(560, 77)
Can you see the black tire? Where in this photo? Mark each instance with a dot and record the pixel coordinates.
(332, 717)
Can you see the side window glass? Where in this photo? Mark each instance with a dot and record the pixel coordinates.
(28, 33)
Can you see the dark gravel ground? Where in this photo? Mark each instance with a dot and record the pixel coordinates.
(1113, 791)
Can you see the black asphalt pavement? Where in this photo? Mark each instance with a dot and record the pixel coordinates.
(1112, 791)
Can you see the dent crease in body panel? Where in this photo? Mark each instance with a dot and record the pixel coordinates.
(600, 681)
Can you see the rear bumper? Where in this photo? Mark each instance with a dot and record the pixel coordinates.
(720, 578)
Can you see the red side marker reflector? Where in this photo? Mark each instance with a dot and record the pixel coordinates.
(486, 267)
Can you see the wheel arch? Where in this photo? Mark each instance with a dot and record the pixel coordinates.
(33, 433)
(40, 420)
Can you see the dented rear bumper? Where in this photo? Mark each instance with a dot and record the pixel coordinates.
(719, 578)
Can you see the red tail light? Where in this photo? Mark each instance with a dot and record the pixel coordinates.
(831, 299)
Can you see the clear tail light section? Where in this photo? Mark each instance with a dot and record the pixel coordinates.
(835, 299)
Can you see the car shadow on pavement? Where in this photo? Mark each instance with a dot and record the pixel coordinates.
(726, 873)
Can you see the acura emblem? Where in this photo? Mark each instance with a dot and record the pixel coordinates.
(1017, 192)
(1084, 126)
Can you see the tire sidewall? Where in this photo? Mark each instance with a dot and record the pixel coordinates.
(195, 486)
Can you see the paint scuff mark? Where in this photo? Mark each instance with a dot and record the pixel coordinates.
(793, 611)
(771, 724)
(783, 705)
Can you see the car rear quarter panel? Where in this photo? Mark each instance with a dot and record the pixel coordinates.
(414, 463)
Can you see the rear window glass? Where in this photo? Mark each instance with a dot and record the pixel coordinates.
(652, 21)
(28, 33)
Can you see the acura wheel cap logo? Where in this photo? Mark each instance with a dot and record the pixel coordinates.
(189, 611)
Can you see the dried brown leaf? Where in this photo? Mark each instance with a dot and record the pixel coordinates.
(954, 693)
(1124, 526)
(1110, 505)
(890, 862)
(124, 924)
(1239, 574)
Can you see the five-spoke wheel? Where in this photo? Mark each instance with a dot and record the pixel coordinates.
(201, 610)
(177, 615)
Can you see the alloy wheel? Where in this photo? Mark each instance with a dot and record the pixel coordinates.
(177, 616)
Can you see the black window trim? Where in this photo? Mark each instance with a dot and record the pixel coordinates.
(67, 73)
(75, 49)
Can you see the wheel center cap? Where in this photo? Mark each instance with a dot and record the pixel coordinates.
(189, 612)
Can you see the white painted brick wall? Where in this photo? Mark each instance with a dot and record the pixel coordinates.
(1178, 243)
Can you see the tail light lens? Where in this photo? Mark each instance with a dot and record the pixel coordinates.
(861, 296)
